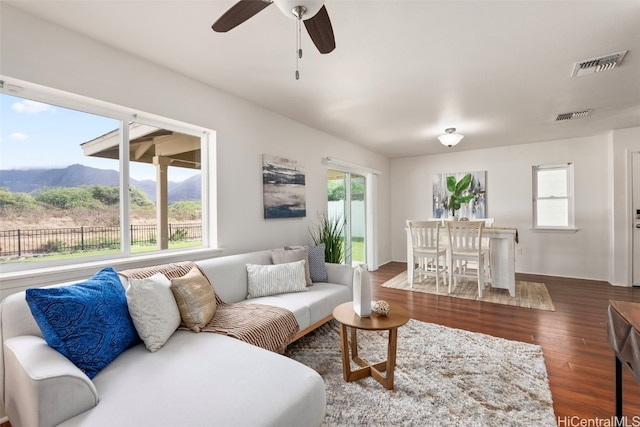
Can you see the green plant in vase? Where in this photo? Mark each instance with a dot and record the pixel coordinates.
(457, 190)
(330, 231)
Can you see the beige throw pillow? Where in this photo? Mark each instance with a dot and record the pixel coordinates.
(282, 256)
(196, 299)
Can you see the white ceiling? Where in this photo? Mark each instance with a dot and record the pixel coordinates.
(402, 71)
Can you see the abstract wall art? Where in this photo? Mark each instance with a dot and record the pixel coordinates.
(283, 183)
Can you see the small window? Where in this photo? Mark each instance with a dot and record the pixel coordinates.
(553, 197)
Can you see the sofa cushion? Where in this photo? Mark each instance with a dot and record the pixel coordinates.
(88, 322)
(311, 306)
(275, 279)
(196, 299)
(205, 380)
(288, 254)
(317, 267)
(153, 309)
(228, 274)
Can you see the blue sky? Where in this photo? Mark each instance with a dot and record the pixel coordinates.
(37, 135)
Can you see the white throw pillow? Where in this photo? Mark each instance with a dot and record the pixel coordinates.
(276, 279)
(153, 309)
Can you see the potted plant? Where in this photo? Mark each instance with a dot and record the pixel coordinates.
(330, 231)
(457, 190)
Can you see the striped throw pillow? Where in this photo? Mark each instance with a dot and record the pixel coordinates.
(264, 280)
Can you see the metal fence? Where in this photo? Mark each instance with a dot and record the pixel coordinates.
(39, 241)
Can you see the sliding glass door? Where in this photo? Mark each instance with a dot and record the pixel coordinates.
(346, 202)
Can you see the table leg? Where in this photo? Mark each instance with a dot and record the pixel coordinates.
(367, 369)
(502, 264)
(354, 343)
(391, 357)
(618, 387)
(346, 363)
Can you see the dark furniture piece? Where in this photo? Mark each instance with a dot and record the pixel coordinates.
(624, 337)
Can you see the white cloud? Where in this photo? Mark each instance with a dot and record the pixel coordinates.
(19, 136)
(31, 107)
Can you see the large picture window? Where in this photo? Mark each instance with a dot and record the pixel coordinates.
(75, 185)
(553, 197)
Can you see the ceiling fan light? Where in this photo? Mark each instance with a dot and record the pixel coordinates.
(450, 137)
(287, 7)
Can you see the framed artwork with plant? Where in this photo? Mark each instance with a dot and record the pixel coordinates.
(460, 195)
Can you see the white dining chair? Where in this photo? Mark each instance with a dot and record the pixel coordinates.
(428, 253)
(465, 247)
(488, 222)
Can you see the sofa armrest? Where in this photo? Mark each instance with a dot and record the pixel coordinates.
(43, 388)
(340, 274)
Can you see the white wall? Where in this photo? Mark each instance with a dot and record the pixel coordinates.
(36, 51)
(584, 254)
(621, 142)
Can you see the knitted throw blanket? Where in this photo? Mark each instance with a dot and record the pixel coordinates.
(269, 327)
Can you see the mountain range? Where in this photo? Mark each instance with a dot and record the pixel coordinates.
(30, 180)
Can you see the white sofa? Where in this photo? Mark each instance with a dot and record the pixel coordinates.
(195, 379)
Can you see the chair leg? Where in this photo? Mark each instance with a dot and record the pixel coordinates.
(445, 273)
(481, 278)
(437, 274)
(413, 272)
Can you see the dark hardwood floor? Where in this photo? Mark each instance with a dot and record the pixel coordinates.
(579, 360)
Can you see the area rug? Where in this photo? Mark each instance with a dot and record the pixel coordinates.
(528, 294)
(443, 377)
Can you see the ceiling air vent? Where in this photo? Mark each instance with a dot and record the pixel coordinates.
(595, 65)
(573, 115)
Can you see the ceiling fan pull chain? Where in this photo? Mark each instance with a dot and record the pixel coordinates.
(298, 47)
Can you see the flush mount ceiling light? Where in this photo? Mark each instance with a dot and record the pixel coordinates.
(450, 137)
(300, 9)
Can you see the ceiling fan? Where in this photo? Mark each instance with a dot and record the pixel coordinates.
(312, 12)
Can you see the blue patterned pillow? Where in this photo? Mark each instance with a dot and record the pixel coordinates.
(89, 322)
(317, 268)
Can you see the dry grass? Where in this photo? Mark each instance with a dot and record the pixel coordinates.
(13, 219)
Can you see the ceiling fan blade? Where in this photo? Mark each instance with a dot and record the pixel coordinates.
(320, 30)
(238, 13)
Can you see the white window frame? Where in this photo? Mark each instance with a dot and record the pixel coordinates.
(13, 275)
(568, 167)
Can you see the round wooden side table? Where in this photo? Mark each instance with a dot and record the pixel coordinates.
(344, 314)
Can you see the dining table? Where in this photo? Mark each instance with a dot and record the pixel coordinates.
(500, 243)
